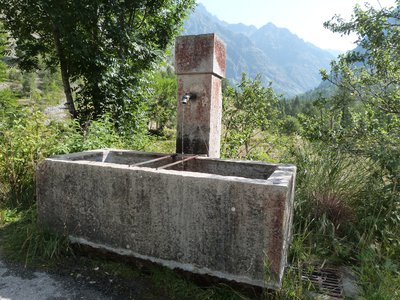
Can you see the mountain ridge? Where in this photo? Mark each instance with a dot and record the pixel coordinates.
(278, 55)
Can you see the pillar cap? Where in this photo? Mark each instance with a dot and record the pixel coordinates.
(204, 54)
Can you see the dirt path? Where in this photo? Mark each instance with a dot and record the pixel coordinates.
(57, 112)
(75, 279)
(19, 283)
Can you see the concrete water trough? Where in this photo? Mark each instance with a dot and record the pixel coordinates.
(225, 218)
(196, 212)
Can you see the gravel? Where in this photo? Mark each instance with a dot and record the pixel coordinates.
(18, 283)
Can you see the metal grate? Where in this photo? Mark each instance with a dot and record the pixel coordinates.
(327, 281)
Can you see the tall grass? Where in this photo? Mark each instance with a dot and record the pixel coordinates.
(24, 141)
(345, 214)
(175, 287)
(24, 240)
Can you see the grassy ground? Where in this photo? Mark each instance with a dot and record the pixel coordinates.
(347, 208)
(337, 222)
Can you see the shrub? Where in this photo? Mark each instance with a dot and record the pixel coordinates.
(290, 125)
(330, 186)
(24, 240)
(344, 213)
(25, 140)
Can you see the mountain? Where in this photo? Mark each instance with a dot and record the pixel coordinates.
(334, 52)
(281, 57)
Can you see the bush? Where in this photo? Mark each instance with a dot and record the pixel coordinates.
(27, 138)
(344, 213)
(248, 110)
(290, 125)
(24, 240)
(329, 186)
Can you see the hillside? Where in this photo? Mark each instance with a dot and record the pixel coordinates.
(281, 57)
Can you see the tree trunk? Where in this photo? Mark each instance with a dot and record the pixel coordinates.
(64, 73)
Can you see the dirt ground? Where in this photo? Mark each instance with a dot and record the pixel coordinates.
(76, 277)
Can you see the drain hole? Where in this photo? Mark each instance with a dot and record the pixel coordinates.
(327, 281)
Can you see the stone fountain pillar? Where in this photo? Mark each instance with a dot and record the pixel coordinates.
(200, 66)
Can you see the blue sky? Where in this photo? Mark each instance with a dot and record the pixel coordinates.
(305, 18)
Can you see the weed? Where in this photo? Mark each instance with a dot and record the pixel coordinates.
(379, 278)
(8, 216)
(294, 285)
(175, 287)
(162, 146)
(329, 187)
(344, 214)
(25, 241)
(25, 140)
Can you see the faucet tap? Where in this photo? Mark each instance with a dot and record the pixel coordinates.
(187, 96)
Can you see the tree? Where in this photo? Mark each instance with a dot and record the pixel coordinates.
(371, 76)
(102, 47)
(163, 104)
(247, 111)
(3, 42)
(372, 70)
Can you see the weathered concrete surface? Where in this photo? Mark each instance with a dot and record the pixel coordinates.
(199, 120)
(200, 65)
(224, 225)
(197, 54)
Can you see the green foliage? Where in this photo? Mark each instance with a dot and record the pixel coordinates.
(294, 286)
(28, 84)
(3, 42)
(347, 207)
(103, 134)
(176, 287)
(14, 74)
(247, 111)
(329, 184)
(26, 138)
(103, 47)
(379, 278)
(371, 74)
(163, 144)
(51, 87)
(290, 125)
(347, 204)
(8, 104)
(328, 121)
(291, 107)
(163, 105)
(3, 71)
(23, 239)
(43, 88)
(372, 70)
(345, 214)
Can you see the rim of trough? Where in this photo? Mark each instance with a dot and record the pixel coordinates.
(280, 177)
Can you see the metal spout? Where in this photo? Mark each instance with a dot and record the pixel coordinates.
(187, 97)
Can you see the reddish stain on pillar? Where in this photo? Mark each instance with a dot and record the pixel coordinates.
(200, 65)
